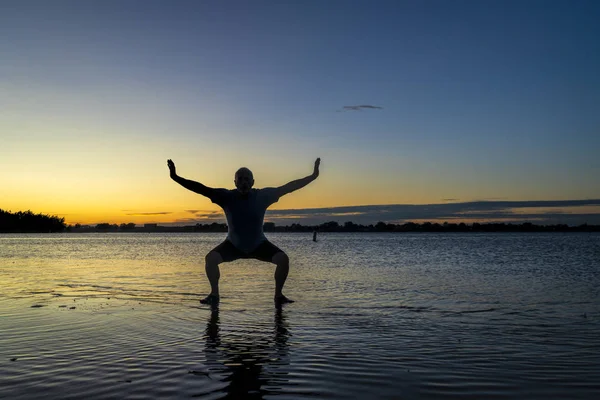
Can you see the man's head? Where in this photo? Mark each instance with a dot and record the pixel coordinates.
(244, 180)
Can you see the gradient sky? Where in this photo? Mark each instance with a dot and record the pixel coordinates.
(480, 100)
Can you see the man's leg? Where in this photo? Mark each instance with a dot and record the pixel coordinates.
(225, 252)
(281, 272)
(268, 252)
(213, 259)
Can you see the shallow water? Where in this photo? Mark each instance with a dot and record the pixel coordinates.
(388, 316)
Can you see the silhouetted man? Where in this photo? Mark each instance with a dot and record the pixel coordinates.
(245, 211)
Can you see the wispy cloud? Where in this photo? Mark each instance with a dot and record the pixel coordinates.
(567, 211)
(201, 217)
(361, 107)
(202, 212)
(571, 212)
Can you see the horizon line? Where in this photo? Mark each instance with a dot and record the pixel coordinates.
(401, 212)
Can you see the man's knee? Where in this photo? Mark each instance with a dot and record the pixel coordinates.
(281, 259)
(213, 258)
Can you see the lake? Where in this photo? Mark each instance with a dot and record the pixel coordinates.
(381, 316)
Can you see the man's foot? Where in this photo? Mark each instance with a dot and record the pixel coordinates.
(210, 299)
(281, 299)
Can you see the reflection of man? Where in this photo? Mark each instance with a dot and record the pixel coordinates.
(245, 211)
(249, 360)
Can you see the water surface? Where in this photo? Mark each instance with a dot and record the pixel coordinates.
(387, 316)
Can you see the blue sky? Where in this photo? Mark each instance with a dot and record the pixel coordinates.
(479, 100)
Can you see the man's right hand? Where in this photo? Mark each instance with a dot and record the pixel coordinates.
(171, 166)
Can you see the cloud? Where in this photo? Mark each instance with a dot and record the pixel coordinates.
(202, 212)
(201, 217)
(361, 107)
(570, 212)
(508, 211)
(151, 213)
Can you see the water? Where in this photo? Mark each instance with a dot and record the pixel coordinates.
(385, 316)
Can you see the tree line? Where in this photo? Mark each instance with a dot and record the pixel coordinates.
(27, 221)
(333, 226)
(349, 226)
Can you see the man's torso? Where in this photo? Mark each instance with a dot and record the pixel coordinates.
(245, 215)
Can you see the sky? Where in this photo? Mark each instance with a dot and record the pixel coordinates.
(481, 110)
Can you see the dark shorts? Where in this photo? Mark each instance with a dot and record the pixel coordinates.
(264, 252)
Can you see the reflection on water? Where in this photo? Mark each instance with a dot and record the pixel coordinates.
(254, 362)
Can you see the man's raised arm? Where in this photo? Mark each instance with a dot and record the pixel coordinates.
(190, 185)
(300, 183)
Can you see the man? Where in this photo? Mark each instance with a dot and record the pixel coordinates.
(244, 209)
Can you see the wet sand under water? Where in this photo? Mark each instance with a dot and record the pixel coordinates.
(58, 347)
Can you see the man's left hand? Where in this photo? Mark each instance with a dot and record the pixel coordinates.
(316, 170)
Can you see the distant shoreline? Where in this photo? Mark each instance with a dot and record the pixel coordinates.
(29, 222)
(411, 228)
(350, 227)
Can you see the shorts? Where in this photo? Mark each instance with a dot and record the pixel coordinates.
(264, 252)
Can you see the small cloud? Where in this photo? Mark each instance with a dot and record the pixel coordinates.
(194, 211)
(151, 213)
(203, 212)
(449, 199)
(361, 107)
(203, 216)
